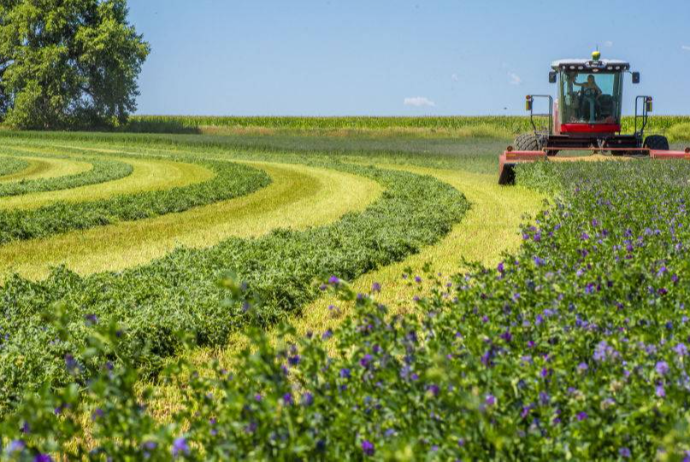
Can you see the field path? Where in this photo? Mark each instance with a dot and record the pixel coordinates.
(298, 197)
(46, 167)
(148, 175)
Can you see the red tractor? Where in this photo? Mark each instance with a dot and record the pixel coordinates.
(586, 116)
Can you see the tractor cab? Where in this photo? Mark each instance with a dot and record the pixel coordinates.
(586, 116)
(590, 95)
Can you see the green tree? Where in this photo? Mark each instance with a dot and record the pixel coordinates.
(68, 63)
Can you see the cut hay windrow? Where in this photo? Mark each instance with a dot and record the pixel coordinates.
(102, 170)
(298, 196)
(41, 168)
(152, 301)
(11, 165)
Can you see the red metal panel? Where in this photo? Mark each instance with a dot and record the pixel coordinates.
(590, 128)
(663, 155)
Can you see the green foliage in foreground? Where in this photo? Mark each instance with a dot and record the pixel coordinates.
(153, 302)
(231, 180)
(9, 165)
(102, 171)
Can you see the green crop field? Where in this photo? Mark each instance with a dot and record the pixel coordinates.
(313, 289)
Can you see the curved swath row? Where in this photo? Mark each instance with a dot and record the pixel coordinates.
(11, 165)
(299, 196)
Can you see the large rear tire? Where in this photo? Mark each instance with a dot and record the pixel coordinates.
(527, 142)
(656, 143)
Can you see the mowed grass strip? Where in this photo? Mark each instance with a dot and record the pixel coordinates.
(47, 167)
(147, 175)
(299, 196)
(490, 228)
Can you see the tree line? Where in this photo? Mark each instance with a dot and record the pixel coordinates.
(68, 64)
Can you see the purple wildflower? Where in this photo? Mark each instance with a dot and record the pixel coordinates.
(43, 458)
(661, 367)
(660, 392)
(624, 453)
(417, 279)
(345, 373)
(376, 287)
(490, 400)
(287, 398)
(368, 448)
(365, 362)
(180, 447)
(681, 349)
(307, 399)
(333, 280)
(582, 416)
(16, 446)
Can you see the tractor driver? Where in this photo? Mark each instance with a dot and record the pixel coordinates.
(590, 83)
(588, 106)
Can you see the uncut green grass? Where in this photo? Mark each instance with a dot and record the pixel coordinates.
(10, 165)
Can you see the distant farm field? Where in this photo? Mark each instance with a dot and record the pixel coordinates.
(289, 289)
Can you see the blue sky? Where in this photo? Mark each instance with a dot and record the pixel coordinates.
(396, 57)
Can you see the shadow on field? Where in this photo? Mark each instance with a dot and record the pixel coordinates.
(171, 126)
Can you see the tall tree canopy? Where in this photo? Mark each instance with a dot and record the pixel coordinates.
(68, 63)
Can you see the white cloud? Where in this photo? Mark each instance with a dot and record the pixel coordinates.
(419, 101)
(685, 47)
(455, 78)
(514, 78)
(608, 44)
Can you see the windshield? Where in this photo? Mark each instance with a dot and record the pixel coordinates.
(590, 98)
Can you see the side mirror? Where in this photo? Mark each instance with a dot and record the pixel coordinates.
(528, 103)
(636, 77)
(552, 77)
(650, 104)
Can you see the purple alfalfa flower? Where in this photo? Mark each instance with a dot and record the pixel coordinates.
(294, 360)
(366, 360)
(345, 373)
(661, 271)
(661, 368)
(501, 268)
(538, 261)
(584, 236)
(97, 414)
(595, 222)
(180, 447)
(91, 319)
(582, 367)
(323, 287)
(433, 390)
(326, 335)
(287, 398)
(71, 363)
(376, 287)
(490, 400)
(544, 372)
(681, 350)
(582, 415)
(368, 448)
(544, 398)
(333, 280)
(307, 399)
(624, 453)
(660, 391)
(40, 457)
(507, 336)
(417, 279)
(16, 446)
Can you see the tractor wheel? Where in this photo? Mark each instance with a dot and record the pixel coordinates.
(527, 142)
(656, 143)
